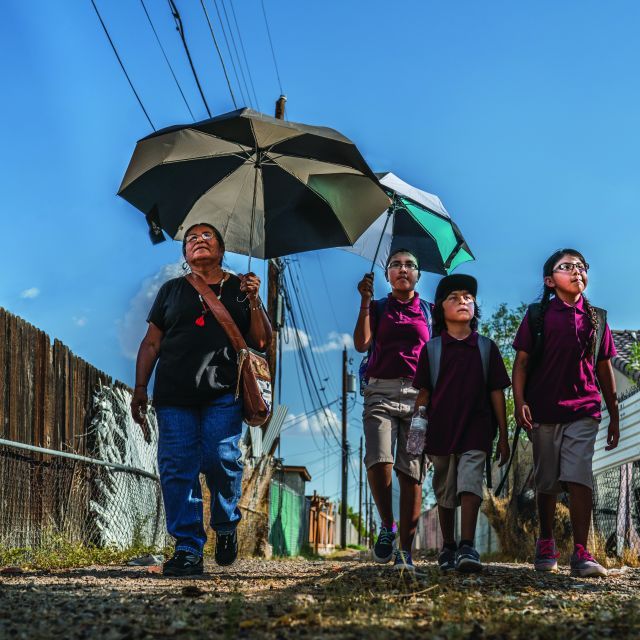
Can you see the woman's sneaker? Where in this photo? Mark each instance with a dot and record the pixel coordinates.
(447, 560)
(546, 555)
(468, 560)
(403, 561)
(584, 565)
(183, 563)
(226, 548)
(385, 544)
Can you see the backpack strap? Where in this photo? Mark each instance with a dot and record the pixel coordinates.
(425, 307)
(484, 344)
(602, 323)
(378, 309)
(434, 353)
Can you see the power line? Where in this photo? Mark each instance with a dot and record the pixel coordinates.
(309, 378)
(215, 41)
(305, 359)
(155, 33)
(180, 30)
(273, 53)
(135, 93)
(226, 39)
(233, 42)
(244, 54)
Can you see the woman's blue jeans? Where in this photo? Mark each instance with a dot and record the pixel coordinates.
(195, 440)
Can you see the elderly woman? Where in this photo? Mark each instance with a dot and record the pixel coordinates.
(394, 329)
(199, 417)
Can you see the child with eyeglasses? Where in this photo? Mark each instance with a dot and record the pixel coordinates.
(563, 354)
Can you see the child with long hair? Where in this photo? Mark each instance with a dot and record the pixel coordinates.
(461, 379)
(564, 349)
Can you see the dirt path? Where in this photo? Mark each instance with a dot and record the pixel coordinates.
(299, 599)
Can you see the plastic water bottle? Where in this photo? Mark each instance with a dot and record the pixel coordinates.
(417, 432)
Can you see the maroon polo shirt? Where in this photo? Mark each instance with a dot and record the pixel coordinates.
(399, 332)
(460, 413)
(563, 386)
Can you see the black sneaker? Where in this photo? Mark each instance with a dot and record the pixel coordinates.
(183, 563)
(468, 560)
(226, 548)
(385, 545)
(447, 560)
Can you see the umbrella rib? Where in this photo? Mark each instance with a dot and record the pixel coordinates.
(302, 157)
(391, 193)
(318, 195)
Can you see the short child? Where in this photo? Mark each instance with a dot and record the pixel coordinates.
(462, 410)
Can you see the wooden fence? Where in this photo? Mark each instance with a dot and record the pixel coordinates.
(45, 390)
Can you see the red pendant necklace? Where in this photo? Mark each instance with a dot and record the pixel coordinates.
(205, 308)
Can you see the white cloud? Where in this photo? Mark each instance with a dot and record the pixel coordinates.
(134, 324)
(290, 343)
(315, 423)
(80, 321)
(28, 294)
(336, 342)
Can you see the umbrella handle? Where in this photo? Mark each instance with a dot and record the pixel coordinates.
(392, 210)
(253, 212)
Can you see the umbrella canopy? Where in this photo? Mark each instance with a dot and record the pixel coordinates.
(417, 221)
(271, 187)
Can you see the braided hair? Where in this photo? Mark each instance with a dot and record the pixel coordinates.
(547, 292)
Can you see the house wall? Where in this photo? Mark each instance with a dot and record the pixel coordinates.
(628, 448)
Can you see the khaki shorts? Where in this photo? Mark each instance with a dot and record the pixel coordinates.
(458, 473)
(563, 453)
(388, 407)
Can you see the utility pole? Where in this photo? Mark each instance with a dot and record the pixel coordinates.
(345, 454)
(360, 499)
(274, 304)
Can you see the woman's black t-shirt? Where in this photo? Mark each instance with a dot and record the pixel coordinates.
(196, 362)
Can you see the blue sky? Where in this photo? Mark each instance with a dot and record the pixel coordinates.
(522, 117)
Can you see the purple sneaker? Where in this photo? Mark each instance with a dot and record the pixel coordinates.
(546, 555)
(584, 565)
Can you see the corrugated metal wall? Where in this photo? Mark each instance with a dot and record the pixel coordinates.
(287, 520)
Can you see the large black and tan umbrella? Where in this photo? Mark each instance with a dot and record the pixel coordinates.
(271, 187)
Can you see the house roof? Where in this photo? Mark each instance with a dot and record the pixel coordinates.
(301, 470)
(624, 340)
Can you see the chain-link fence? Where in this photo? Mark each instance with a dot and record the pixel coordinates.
(616, 513)
(111, 499)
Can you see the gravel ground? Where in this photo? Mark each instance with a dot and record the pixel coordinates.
(304, 599)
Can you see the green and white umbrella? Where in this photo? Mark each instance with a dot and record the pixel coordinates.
(417, 221)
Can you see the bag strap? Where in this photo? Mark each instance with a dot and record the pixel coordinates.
(219, 312)
(434, 353)
(484, 344)
(378, 307)
(602, 322)
(425, 307)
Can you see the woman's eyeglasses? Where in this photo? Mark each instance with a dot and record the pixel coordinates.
(409, 266)
(192, 237)
(568, 267)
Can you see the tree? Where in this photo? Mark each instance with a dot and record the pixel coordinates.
(501, 327)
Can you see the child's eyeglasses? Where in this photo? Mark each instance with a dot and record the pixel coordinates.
(192, 237)
(409, 266)
(568, 267)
